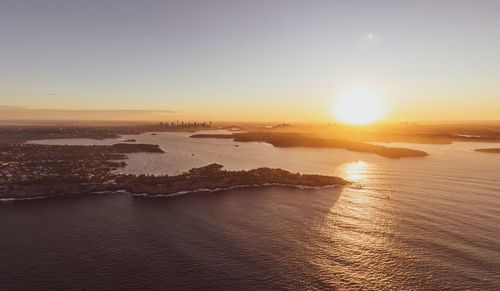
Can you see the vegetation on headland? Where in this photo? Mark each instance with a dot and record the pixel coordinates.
(213, 177)
(492, 150)
(30, 170)
(288, 139)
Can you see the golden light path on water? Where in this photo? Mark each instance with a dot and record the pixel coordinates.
(355, 171)
(413, 223)
(352, 224)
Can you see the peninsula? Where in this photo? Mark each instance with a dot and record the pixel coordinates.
(491, 150)
(287, 139)
(31, 170)
(212, 177)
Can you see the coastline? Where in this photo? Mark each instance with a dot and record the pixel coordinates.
(180, 193)
(490, 150)
(210, 178)
(33, 171)
(287, 139)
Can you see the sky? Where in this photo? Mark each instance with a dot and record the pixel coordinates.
(248, 60)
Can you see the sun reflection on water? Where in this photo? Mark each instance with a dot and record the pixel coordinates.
(355, 171)
(357, 230)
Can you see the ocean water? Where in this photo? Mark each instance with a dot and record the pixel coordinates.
(412, 223)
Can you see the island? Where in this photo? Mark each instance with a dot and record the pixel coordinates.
(36, 171)
(490, 150)
(287, 139)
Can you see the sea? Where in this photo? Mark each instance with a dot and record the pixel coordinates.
(423, 223)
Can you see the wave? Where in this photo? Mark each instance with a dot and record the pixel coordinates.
(203, 190)
(10, 199)
(13, 199)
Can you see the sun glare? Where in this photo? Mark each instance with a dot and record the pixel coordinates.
(359, 107)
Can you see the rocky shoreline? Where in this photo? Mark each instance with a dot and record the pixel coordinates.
(37, 171)
(213, 177)
(204, 179)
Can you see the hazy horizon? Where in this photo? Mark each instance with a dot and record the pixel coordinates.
(26, 114)
(258, 61)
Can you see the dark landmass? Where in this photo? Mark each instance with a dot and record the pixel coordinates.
(43, 170)
(17, 134)
(135, 148)
(301, 140)
(409, 132)
(213, 177)
(21, 134)
(30, 170)
(492, 150)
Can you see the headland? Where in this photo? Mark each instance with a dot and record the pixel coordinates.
(288, 139)
(31, 170)
(35, 171)
(490, 150)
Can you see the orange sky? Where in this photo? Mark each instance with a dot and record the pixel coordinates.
(249, 61)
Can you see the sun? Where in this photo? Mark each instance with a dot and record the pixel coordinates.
(359, 107)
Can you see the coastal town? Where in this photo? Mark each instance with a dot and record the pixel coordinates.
(34, 170)
(28, 169)
(22, 133)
